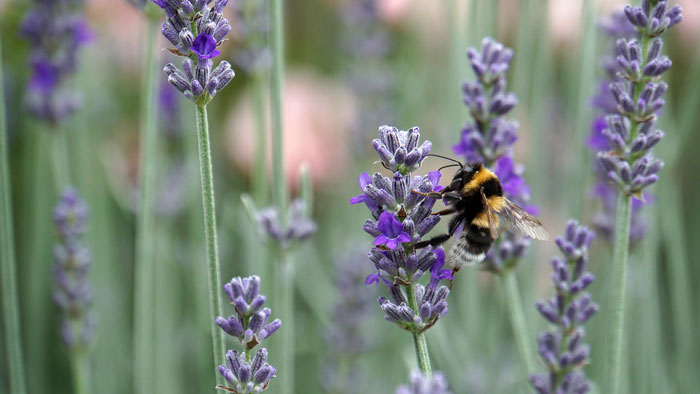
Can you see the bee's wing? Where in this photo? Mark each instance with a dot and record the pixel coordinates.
(460, 256)
(490, 217)
(525, 223)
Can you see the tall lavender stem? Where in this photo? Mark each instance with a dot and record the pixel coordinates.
(518, 321)
(283, 295)
(13, 337)
(210, 230)
(144, 307)
(196, 29)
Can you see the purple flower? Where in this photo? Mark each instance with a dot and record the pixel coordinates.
(56, 32)
(204, 47)
(437, 273)
(392, 232)
(562, 349)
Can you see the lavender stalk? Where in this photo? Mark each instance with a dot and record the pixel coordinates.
(631, 133)
(13, 337)
(562, 349)
(244, 371)
(73, 293)
(400, 219)
(144, 299)
(279, 187)
(196, 29)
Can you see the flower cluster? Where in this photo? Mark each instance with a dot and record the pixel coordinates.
(195, 30)
(56, 31)
(297, 226)
(630, 130)
(72, 259)
(399, 150)
(421, 384)
(347, 336)
(250, 326)
(246, 377)
(489, 138)
(252, 53)
(562, 349)
(621, 25)
(400, 219)
(432, 305)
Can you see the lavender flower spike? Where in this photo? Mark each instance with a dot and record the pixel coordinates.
(196, 30)
(630, 130)
(72, 260)
(421, 384)
(297, 227)
(246, 377)
(250, 326)
(56, 30)
(562, 349)
(251, 323)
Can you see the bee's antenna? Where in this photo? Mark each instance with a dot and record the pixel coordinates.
(448, 166)
(446, 158)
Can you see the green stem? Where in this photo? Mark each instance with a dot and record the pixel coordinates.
(61, 161)
(284, 299)
(80, 368)
(144, 302)
(210, 234)
(259, 173)
(421, 345)
(277, 44)
(13, 337)
(617, 303)
(517, 318)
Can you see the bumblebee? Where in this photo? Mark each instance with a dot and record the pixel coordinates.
(475, 197)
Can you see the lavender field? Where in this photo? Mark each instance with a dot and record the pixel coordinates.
(349, 196)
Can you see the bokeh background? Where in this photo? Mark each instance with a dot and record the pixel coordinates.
(349, 71)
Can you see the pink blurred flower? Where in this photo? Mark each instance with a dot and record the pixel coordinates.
(318, 113)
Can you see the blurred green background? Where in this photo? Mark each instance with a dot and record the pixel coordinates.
(336, 95)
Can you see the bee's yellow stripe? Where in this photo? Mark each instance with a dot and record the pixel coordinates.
(481, 220)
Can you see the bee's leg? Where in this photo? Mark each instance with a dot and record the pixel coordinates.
(434, 241)
(445, 211)
(451, 196)
(439, 239)
(454, 224)
(436, 195)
